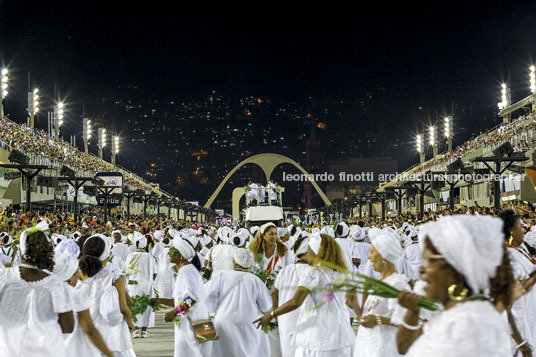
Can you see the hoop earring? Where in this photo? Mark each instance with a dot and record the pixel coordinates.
(510, 240)
(460, 297)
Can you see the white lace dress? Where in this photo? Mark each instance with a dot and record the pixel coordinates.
(145, 266)
(323, 331)
(380, 341)
(468, 329)
(29, 310)
(116, 337)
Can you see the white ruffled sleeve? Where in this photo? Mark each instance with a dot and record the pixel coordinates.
(66, 298)
(309, 279)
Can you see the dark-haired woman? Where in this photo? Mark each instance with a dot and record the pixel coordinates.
(523, 311)
(465, 269)
(96, 280)
(189, 290)
(142, 262)
(36, 308)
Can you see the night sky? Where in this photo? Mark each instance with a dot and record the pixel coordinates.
(429, 56)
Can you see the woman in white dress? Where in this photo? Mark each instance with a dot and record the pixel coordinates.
(325, 330)
(467, 270)
(523, 311)
(143, 263)
(285, 288)
(188, 288)
(96, 279)
(377, 333)
(237, 298)
(35, 306)
(273, 255)
(85, 340)
(165, 275)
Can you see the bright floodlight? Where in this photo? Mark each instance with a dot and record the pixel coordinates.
(419, 142)
(36, 90)
(35, 101)
(532, 76)
(60, 105)
(4, 72)
(432, 136)
(504, 98)
(447, 127)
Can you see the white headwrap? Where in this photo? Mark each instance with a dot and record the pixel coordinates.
(243, 257)
(530, 238)
(206, 240)
(107, 246)
(314, 242)
(328, 231)
(281, 232)
(304, 247)
(158, 235)
(387, 243)
(184, 248)
(41, 226)
(254, 229)
(472, 245)
(65, 265)
(265, 227)
(69, 246)
(345, 229)
(357, 233)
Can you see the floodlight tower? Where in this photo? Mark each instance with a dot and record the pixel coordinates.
(101, 142)
(420, 150)
(505, 100)
(532, 76)
(433, 139)
(59, 110)
(86, 133)
(448, 129)
(115, 148)
(33, 106)
(3, 91)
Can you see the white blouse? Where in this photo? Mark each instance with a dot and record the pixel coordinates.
(326, 327)
(468, 329)
(29, 314)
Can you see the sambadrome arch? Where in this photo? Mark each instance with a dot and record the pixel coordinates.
(267, 162)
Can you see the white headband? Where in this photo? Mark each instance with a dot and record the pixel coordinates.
(314, 242)
(243, 257)
(107, 247)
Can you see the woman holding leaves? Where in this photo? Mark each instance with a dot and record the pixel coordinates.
(376, 336)
(323, 327)
(188, 300)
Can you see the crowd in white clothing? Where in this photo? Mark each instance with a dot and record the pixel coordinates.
(268, 291)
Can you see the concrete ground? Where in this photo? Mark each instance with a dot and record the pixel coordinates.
(161, 340)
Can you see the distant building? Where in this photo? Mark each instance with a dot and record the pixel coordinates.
(357, 174)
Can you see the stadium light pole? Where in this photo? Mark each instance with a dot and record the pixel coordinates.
(419, 148)
(3, 90)
(505, 100)
(59, 114)
(86, 133)
(448, 132)
(33, 106)
(101, 140)
(532, 76)
(115, 148)
(433, 141)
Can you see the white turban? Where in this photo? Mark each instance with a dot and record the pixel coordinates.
(58, 238)
(281, 232)
(41, 227)
(69, 246)
(65, 265)
(357, 233)
(158, 235)
(530, 238)
(184, 248)
(173, 233)
(206, 240)
(315, 230)
(387, 243)
(314, 242)
(107, 246)
(193, 240)
(472, 245)
(328, 231)
(254, 229)
(139, 240)
(243, 257)
(265, 227)
(345, 229)
(303, 248)
(243, 234)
